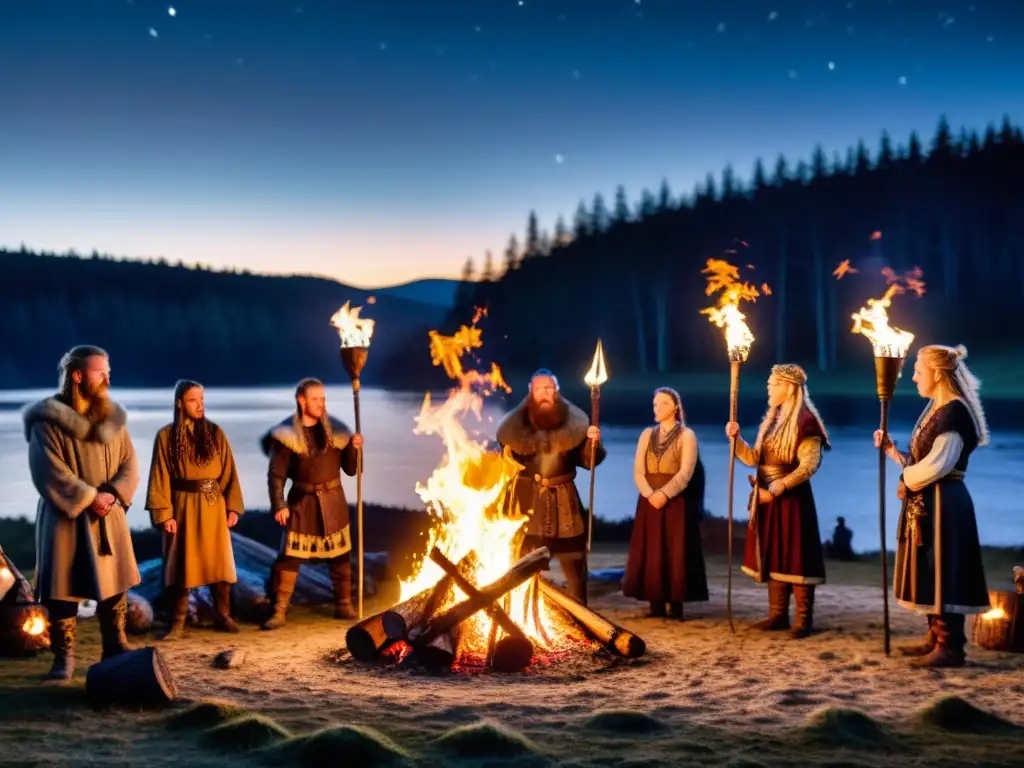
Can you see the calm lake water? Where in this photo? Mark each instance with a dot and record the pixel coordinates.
(396, 459)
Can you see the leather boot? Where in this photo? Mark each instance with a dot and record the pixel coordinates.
(778, 608)
(285, 587)
(62, 642)
(341, 580)
(222, 621)
(803, 614)
(575, 570)
(675, 611)
(179, 613)
(112, 615)
(949, 643)
(657, 610)
(927, 644)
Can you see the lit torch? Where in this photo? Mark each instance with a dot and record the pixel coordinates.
(890, 347)
(355, 333)
(724, 277)
(596, 376)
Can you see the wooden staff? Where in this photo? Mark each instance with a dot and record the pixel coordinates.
(734, 402)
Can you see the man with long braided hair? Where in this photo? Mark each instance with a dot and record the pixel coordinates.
(939, 571)
(83, 465)
(310, 448)
(783, 543)
(195, 497)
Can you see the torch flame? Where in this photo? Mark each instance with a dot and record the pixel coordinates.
(872, 321)
(598, 374)
(355, 331)
(724, 277)
(466, 495)
(994, 615)
(34, 626)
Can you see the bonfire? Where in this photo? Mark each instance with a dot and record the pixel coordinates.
(471, 600)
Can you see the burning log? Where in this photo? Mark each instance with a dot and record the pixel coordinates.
(24, 626)
(512, 652)
(369, 637)
(613, 637)
(532, 564)
(136, 679)
(1002, 628)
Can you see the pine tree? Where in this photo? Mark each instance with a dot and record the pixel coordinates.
(759, 177)
(512, 255)
(819, 164)
(648, 205)
(665, 200)
(621, 214)
(781, 175)
(914, 156)
(599, 218)
(487, 275)
(466, 289)
(582, 223)
(862, 162)
(532, 246)
(562, 236)
(728, 182)
(885, 155)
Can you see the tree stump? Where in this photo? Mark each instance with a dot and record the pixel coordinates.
(137, 679)
(1002, 627)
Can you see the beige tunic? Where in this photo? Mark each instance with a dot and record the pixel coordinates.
(71, 460)
(200, 551)
(678, 462)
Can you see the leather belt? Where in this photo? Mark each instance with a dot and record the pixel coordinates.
(955, 476)
(208, 487)
(548, 482)
(317, 488)
(769, 473)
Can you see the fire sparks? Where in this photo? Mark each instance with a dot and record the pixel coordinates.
(995, 614)
(598, 374)
(34, 626)
(724, 277)
(355, 331)
(872, 321)
(844, 269)
(466, 497)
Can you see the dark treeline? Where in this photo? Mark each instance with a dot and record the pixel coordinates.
(632, 274)
(161, 322)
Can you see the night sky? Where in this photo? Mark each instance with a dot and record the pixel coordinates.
(384, 140)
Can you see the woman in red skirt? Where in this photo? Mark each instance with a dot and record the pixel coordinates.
(783, 543)
(666, 563)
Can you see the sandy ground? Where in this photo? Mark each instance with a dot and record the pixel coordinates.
(700, 696)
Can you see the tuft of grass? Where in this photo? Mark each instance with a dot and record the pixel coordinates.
(624, 722)
(833, 727)
(951, 713)
(205, 714)
(243, 734)
(485, 739)
(358, 745)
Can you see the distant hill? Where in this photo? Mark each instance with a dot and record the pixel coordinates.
(437, 292)
(161, 322)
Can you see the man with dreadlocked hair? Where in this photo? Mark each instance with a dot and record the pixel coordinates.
(551, 437)
(83, 465)
(195, 497)
(309, 448)
(783, 544)
(939, 571)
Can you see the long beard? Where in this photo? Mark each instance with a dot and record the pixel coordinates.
(547, 416)
(98, 398)
(196, 444)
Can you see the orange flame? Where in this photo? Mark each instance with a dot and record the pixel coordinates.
(355, 331)
(872, 321)
(724, 277)
(844, 269)
(994, 615)
(34, 626)
(467, 492)
(598, 374)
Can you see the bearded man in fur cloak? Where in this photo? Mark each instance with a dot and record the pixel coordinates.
(310, 448)
(551, 438)
(83, 465)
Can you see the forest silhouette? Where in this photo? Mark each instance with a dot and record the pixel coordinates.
(627, 273)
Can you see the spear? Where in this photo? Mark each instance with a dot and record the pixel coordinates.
(596, 376)
(355, 333)
(724, 277)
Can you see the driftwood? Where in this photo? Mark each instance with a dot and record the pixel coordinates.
(512, 652)
(1004, 632)
(137, 679)
(613, 637)
(533, 563)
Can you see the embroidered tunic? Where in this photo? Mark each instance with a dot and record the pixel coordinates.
(783, 541)
(938, 557)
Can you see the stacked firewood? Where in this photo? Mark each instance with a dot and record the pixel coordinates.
(431, 634)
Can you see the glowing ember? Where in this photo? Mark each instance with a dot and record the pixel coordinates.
(724, 277)
(872, 321)
(598, 374)
(355, 331)
(466, 496)
(994, 615)
(34, 626)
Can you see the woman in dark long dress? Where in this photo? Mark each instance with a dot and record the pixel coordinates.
(783, 543)
(666, 562)
(939, 571)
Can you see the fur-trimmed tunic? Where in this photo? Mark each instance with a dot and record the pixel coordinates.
(311, 457)
(79, 555)
(783, 541)
(546, 488)
(199, 553)
(938, 556)
(666, 560)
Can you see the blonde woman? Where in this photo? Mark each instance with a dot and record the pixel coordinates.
(939, 571)
(783, 543)
(666, 562)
